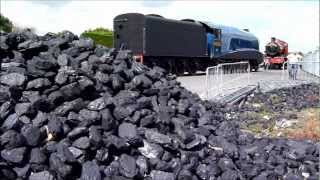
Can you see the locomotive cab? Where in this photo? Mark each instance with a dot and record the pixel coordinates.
(213, 40)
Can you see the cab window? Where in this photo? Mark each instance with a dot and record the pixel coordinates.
(240, 43)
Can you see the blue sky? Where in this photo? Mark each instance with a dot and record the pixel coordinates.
(296, 22)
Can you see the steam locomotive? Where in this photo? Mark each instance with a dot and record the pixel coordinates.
(276, 53)
(183, 45)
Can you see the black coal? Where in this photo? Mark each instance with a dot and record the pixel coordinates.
(73, 110)
(284, 103)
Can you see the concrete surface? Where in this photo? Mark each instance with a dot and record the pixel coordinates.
(227, 84)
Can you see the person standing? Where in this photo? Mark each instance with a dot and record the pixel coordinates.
(293, 61)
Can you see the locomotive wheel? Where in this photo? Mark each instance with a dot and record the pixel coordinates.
(191, 67)
(171, 66)
(175, 67)
(253, 68)
(179, 68)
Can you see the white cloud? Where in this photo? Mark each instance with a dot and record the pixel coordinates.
(295, 22)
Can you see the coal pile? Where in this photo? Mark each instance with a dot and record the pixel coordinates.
(73, 110)
(285, 99)
(276, 105)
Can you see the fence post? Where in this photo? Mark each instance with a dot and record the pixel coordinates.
(248, 76)
(207, 84)
(284, 70)
(220, 80)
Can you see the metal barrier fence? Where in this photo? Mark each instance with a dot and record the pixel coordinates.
(308, 71)
(311, 67)
(311, 63)
(218, 77)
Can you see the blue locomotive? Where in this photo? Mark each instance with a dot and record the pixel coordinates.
(183, 45)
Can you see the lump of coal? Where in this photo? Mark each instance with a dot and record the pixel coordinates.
(151, 150)
(90, 171)
(156, 137)
(63, 60)
(11, 122)
(82, 143)
(55, 127)
(32, 135)
(128, 166)
(23, 108)
(38, 83)
(128, 131)
(70, 91)
(97, 104)
(23, 171)
(77, 132)
(68, 106)
(11, 139)
(107, 120)
(15, 155)
(13, 79)
(161, 175)
(37, 156)
(42, 64)
(102, 155)
(43, 175)
(76, 152)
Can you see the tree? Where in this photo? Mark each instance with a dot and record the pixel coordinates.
(100, 35)
(99, 30)
(5, 24)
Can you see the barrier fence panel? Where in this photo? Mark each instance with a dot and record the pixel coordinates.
(311, 67)
(307, 71)
(308, 68)
(212, 77)
(311, 63)
(225, 78)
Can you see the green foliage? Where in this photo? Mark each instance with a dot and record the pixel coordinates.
(5, 24)
(100, 30)
(100, 35)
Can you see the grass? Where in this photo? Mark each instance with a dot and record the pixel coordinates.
(255, 128)
(275, 99)
(308, 128)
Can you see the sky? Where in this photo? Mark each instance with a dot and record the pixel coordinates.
(296, 22)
